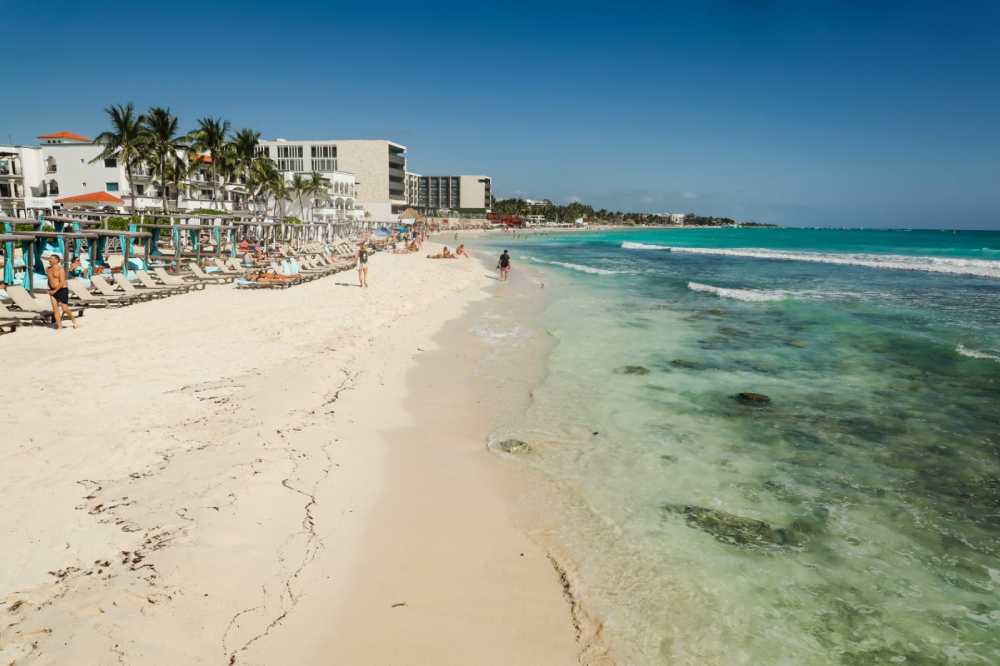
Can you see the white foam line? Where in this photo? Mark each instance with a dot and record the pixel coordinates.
(750, 295)
(950, 265)
(975, 353)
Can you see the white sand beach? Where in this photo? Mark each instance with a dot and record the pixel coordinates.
(219, 478)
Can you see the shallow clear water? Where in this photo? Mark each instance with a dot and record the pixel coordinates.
(854, 519)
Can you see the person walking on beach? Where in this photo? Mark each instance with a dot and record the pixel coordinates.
(504, 265)
(58, 291)
(362, 264)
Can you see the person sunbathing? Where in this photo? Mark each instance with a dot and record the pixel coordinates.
(443, 254)
(460, 251)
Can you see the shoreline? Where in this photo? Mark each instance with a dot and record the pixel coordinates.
(213, 503)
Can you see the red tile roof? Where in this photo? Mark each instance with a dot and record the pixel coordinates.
(206, 158)
(93, 197)
(69, 136)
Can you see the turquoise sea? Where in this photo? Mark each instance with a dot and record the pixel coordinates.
(852, 519)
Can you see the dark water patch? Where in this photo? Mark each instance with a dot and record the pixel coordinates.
(633, 370)
(732, 332)
(731, 529)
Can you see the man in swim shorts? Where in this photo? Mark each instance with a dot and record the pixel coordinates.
(504, 266)
(58, 291)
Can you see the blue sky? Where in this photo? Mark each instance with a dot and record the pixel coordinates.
(798, 113)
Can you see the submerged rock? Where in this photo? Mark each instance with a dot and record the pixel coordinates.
(801, 344)
(735, 332)
(733, 529)
(513, 446)
(750, 398)
(687, 365)
(634, 370)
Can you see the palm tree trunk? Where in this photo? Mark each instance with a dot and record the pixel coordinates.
(131, 185)
(163, 182)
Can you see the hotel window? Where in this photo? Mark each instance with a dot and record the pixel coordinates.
(140, 190)
(206, 194)
(53, 187)
(324, 158)
(111, 163)
(111, 187)
(290, 158)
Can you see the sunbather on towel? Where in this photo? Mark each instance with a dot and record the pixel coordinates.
(443, 254)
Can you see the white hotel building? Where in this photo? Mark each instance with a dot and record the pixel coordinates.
(61, 172)
(366, 178)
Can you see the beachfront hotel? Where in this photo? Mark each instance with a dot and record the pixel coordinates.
(377, 166)
(464, 194)
(363, 179)
(61, 171)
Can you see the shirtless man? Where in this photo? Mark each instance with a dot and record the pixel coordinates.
(58, 291)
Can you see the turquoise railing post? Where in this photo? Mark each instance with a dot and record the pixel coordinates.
(29, 268)
(78, 243)
(232, 244)
(154, 241)
(8, 255)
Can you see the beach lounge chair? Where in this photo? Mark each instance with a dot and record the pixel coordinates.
(129, 289)
(7, 326)
(209, 279)
(225, 268)
(105, 289)
(22, 317)
(78, 290)
(174, 280)
(28, 303)
(146, 281)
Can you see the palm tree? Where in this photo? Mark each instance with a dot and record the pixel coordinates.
(300, 186)
(211, 137)
(260, 178)
(126, 141)
(165, 145)
(243, 152)
(177, 172)
(279, 189)
(318, 186)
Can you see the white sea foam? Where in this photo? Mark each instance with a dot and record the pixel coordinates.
(750, 295)
(975, 353)
(951, 265)
(629, 245)
(593, 270)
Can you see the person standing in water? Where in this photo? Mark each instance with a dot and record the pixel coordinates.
(362, 264)
(58, 291)
(504, 266)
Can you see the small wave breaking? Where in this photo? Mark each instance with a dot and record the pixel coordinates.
(629, 245)
(975, 353)
(749, 295)
(581, 268)
(950, 265)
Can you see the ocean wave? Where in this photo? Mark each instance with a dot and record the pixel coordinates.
(581, 268)
(629, 245)
(749, 295)
(975, 353)
(949, 265)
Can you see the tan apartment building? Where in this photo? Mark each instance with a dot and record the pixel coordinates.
(378, 166)
(471, 194)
